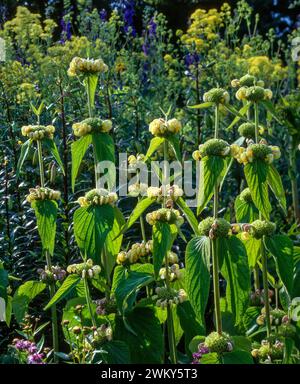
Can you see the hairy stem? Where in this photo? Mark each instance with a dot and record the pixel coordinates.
(49, 264)
(215, 244)
(170, 324)
(262, 249)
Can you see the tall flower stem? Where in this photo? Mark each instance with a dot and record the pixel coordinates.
(88, 300)
(49, 264)
(215, 243)
(170, 324)
(262, 248)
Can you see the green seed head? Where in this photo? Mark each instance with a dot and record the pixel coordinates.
(214, 147)
(205, 226)
(287, 330)
(260, 151)
(218, 343)
(247, 81)
(260, 228)
(255, 93)
(214, 227)
(216, 95)
(246, 195)
(247, 130)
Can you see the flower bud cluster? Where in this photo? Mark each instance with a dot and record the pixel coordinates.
(218, 343)
(136, 251)
(245, 195)
(54, 274)
(269, 351)
(257, 229)
(106, 306)
(170, 192)
(247, 81)
(38, 132)
(86, 269)
(251, 89)
(162, 128)
(173, 272)
(169, 296)
(99, 196)
(213, 147)
(277, 317)
(248, 130)
(214, 228)
(261, 151)
(258, 298)
(91, 125)
(136, 161)
(42, 193)
(216, 95)
(165, 215)
(137, 189)
(80, 66)
(172, 258)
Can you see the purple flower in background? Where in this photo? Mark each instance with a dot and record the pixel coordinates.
(191, 59)
(35, 358)
(202, 350)
(66, 33)
(103, 14)
(128, 15)
(152, 26)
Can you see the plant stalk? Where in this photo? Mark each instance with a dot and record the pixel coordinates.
(170, 324)
(262, 249)
(215, 243)
(49, 264)
(88, 300)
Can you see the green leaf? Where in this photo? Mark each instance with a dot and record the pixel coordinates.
(256, 176)
(46, 214)
(210, 358)
(245, 211)
(250, 316)
(197, 276)
(174, 142)
(188, 214)
(237, 357)
(281, 247)
(154, 144)
(253, 247)
(24, 295)
(141, 206)
(146, 343)
(275, 183)
(3, 282)
(78, 150)
(188, 322)
(194, 343)
(270, 108)
(202, 105)
(238, 117)
(91, 227)
(119, 274)
(211, 170)
(8, 310)
(37, 111)
(69, 283)
(90, 83)
(113, 352)
(104, 150)
(162, 242)
(127, 288)
(23, 155)
(52, 148)
(236, 272)
(113, 241)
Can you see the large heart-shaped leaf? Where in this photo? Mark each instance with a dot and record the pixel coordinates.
(91, 227)
(256, 175)
(275, 183)
(24, 295)
(104, 150)
(281, 247)
(46, 214)
(197, 262)
(236, 272)
(162, 242)
(211, 170)
(78, 150)
(245, 211)
(69, 283)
